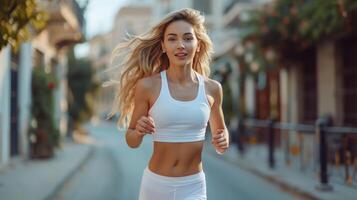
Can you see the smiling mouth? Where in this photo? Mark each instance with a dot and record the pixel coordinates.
(181, 55)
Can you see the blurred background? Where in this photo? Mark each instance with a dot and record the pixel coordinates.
(288, 69)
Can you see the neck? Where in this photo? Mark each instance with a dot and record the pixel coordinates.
(181, 74)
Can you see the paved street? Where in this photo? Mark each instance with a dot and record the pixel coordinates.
(114, 172)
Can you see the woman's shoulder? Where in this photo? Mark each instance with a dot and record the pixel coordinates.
(213, 86)
(148, 83)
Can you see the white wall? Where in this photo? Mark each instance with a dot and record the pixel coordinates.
(250, 96)
(329, 80)
(61, 97)
(24, 96)
(4, 105)
(284, 95)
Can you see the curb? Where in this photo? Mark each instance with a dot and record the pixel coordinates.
(75, 169)
(278, 182)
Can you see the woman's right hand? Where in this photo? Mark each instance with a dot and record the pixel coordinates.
(145, 125)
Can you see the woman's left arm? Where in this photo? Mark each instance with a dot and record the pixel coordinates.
(220, 135)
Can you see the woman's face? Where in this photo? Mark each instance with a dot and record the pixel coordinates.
(180, 43)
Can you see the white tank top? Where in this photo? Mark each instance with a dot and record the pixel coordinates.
(180, 121)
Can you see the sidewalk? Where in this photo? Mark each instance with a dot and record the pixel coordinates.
(40, 179)
(300, 183)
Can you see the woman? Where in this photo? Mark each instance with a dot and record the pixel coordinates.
(165, 92)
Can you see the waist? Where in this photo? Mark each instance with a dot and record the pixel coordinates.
(178, 180)
(176, 159)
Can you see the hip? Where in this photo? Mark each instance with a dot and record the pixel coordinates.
(155, 186)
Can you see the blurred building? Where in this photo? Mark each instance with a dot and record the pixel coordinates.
(5, 105)
(226, 67)
(211, 9)
(131, 19)
(322, 82)
(45, 49)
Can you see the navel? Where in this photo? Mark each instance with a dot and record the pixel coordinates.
(176, 163)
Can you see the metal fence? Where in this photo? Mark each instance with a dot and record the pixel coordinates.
(334, 156)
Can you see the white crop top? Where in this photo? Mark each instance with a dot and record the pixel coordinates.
(180, 121)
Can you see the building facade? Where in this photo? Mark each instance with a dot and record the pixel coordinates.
(45, 49)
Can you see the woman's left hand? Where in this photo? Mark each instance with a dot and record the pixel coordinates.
(220, 141)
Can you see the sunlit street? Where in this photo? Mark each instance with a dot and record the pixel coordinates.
(269, 85)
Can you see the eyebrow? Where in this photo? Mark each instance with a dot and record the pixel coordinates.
(174, 34)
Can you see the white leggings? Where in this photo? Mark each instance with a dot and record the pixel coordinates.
(158, 187)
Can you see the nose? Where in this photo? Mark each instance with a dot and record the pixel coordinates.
(180, 45)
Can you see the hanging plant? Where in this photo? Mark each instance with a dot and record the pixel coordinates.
(320, 19)
(289, 26)
(254, 59)
(44, 132)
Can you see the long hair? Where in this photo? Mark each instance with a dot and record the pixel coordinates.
(142, 56)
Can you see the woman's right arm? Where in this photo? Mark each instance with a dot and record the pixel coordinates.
(140, 124)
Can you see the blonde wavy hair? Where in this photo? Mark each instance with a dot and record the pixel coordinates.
(142, 56)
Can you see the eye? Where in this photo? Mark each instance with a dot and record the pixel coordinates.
(171, 39)
(189, 38)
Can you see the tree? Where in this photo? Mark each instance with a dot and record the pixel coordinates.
(82, 88)
(18, 18)
(289, 27)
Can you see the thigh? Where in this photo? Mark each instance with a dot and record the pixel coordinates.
(196, 191)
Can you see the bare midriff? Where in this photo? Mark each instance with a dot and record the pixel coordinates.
(176, 159)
